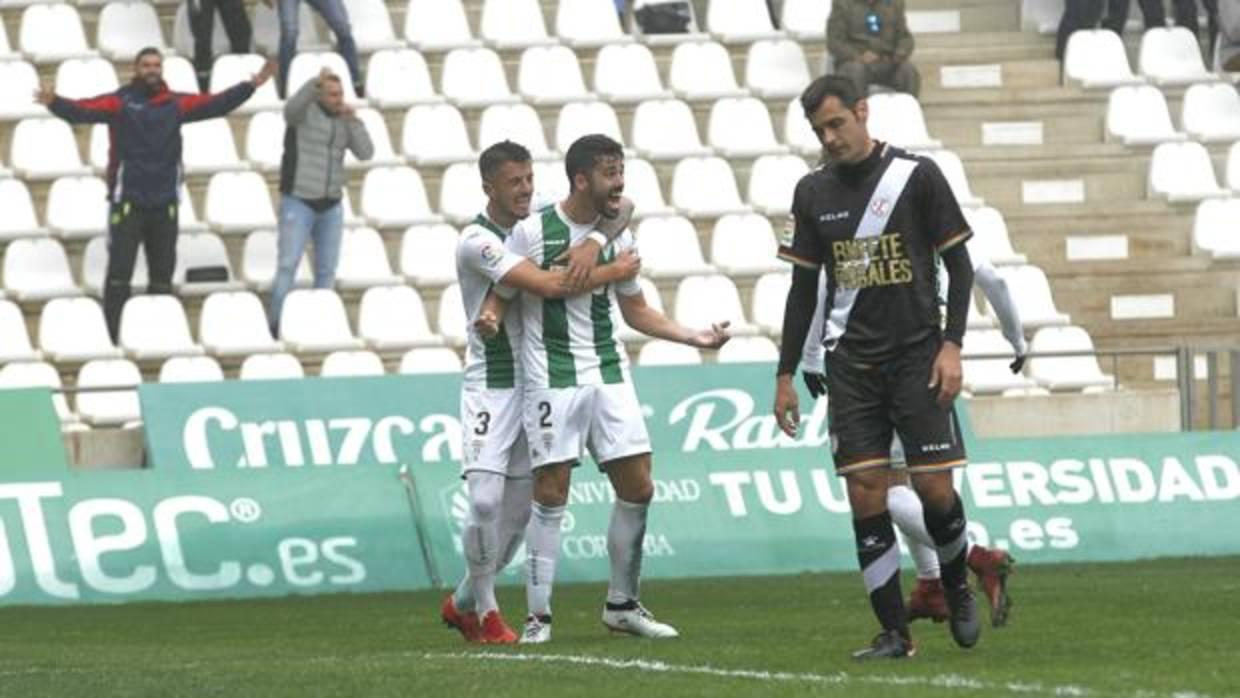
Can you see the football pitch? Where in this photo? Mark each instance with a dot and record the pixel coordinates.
(1151, 629)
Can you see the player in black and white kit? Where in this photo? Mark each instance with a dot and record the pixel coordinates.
(875, 218)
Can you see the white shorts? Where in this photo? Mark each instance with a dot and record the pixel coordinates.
(564, 424)
(491, 434)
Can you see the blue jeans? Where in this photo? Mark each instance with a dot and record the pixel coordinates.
(298, 224)
(337, 18)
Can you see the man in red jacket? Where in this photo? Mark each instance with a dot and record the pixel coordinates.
(144, 167)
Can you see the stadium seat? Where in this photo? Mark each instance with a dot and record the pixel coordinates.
(52, 32)
(39, 374)
(897, 118)
(351, 363)
(1032, 294)
(364, 261)
(399, 78)
(551, 183)
(183, 38)
(991, 241)
(258, 262)
(384, 154)
(706, 188)
(45, 149)
(438, 25)
(238, 202)
(155, 327)
(474, 77)
(393, 317)
(1066, 372)
(1212, 113)
(627, 74)
(79, 78)
(127, 27)
(73, 329)
(109, 408)
(234, 323)
(798, 134)
(650, 293)
(1233, 167)
(550, 75)
(1214, 228)
(95, 267)
(99, 147)
(776, 69)
(1138, 115)
(719, 295)
(18, 82)
(665, 130)
(208, 147)
(188, 219)
(314, 320)
(77, 207)
(266, 25)
(203, 251)
(669, 248)
(428, 255)
(991, 376)
(581, 118)
(748, 350)
(393, 197)
(179, 74)
(589, 23)
(509, 24)
(271, 367)
(460, 193)
(770, 295)
(772, 181)
(744, 245)
(641, 184)
(1183, 172)
(740, 21)
(264, 140)
(307, 66)
(372, 25)
(430, 360)
(230, 69)
(953, 169)
(660, 352)
(1172, 56)
(14, 338)
(702, 71)
(805, 20)
(741, 128)
(436, 135)
(453, 324)
(191, 369)
(514, 122)
(19, 219)
(1041, 16)
(1096, 59)
(37, 269)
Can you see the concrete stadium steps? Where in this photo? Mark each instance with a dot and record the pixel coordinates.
(1018, 177)
(1150, 228)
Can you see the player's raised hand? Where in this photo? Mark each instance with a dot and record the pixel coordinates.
(45, 94)
(787, 406)
(487, 324)
(946, 374)
(264, 74)
(713, 338)
(581, 259)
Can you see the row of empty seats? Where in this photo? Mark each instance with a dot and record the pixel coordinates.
(1168, 56)
(1138, 115)
(1184, 172)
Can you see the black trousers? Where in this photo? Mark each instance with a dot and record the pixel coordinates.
(129, 226)
(202, 24)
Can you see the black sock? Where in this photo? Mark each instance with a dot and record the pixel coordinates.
(880, 569)
(948, 530)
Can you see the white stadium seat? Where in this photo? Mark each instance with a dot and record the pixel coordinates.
(776, 69)
(271, 367)
(650, 293)
(1233, 167)
(438, 25)
(398, 78)
(314, 320)
(230, 69)
(991, 241)
(234, 323)
(393, 317)
(73, 329)
(37, 269)
(460, 193)
(475, 78)
(741, 128)
(436, 135)
(702, 70)
(202, 251)
(1067, 372)
(155, 327)
(364, 261)
(1214, 228)
(770, 294)
(208, 147)
(641, 184)
(1032, 294)
(381, 141)
(669, 248)
(238, 202)
(79, 78)
(744, 245)
(897, 118)
(1096, 58)
(109, 408)
(127, 27)
(264, 140)
(660, 352)
(1172, 56)
(191, 369)
(307, 66)
(39, 374)
(990, 376)
(805, 19)
(509, 24)
(739, 21)
(1212, 113)
(372, 25)
(581, 118)
(453, 324)
(589, 23)
(550, 75)
(798, 134)
(18, 83)
(179, 74)
(352, 363)
(666, 130)
(772, 181)
(394, 197)
(515, 122)
(19, 219)
(719, 295)
(52, 32)
(626, 74)
(1138, 115)
(1183, 172)
(428, 255)
(258, 262)
(706, 188)
(953, 169)
(1041, 16)
(748, 350)
(45, 149)
(430, 360)
(14, 338)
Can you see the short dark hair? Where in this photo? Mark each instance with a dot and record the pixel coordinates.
(497, 154)
(585, 152)
(147, 51)
(838, 86)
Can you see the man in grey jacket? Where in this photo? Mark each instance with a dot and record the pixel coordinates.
(320, 127)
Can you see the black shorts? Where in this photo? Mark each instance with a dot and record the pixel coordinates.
(867, 403)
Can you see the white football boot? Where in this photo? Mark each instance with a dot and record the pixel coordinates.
(537, 630)
(637, 621)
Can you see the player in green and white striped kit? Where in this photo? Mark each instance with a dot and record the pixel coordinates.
(579, 397)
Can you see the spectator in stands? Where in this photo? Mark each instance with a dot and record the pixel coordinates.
(871, 43)
(1228, 56)
(312, 179)
(202, 24)
(144, 121)
(337, 17)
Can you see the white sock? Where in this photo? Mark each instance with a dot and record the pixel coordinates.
(542, 545)
(514, 515)
(906, 512)
(624, 548)
(481, 537)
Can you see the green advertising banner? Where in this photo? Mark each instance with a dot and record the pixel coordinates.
(30, 432)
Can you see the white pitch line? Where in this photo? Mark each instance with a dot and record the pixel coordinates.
(948, 681)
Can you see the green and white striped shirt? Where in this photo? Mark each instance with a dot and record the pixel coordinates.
(481, 261)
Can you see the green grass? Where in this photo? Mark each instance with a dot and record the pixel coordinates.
(1153, 628)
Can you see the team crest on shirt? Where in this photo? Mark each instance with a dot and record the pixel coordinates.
(790, 230)
(490, 254)
(880, 207)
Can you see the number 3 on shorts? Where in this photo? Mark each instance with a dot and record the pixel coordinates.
(484, 423)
